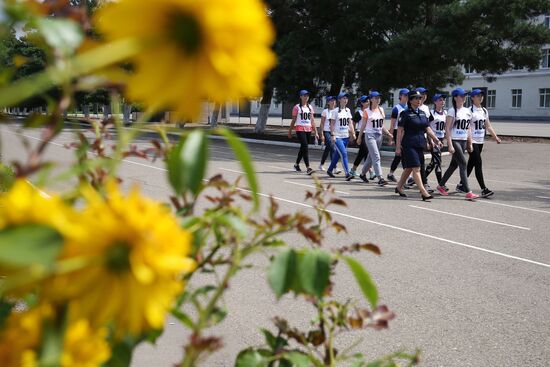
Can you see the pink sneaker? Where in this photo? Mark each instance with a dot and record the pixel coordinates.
(442, 191)
(471, 196)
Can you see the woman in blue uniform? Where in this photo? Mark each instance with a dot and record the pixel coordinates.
(411, 141)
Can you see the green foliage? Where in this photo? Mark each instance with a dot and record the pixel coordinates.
(364, 280)
(37, 244)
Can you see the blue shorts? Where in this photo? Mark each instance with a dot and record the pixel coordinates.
(412, 157)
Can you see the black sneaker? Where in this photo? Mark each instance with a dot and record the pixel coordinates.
(364, 178)
(392, 178)
(349, 177)
(337, 171)
(330, 174)
(485, 193)
(309, 171)
(297, 168)
(460, 188)
(429, 189)
(382, 182)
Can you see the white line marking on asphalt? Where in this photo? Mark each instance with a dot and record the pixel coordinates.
(469, 217)
(232, 170)
(512, 206)
(543, 197)
(387, 225)
(525, 184)
(313, 187)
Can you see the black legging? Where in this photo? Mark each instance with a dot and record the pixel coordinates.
(435, 164)
(363, 152)
(458, 161)
(303, 137)
(475, 161)
(329, 148)
(397, 158)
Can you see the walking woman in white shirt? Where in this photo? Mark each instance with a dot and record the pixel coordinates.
(341, 131)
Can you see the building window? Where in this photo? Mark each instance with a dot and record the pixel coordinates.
(491, 98)
(390, 100)
(545, 62)
(516, 98)
(517, 67)
(547, 20)
(544, 94)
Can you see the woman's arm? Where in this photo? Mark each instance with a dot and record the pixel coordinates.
(313, 124)
(492, 131)
(363, 126)
(432, 136)
(323, 119)
(292, 122)
(400, 133)
(448, 127)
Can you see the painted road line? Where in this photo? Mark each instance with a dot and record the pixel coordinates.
(472, 218)
(543, 197)
(314, 187)
(232, 170)
(512, 206)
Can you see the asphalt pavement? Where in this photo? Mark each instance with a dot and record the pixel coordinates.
(468, 281)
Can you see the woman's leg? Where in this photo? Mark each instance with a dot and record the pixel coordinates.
(361, 155)
(437, 162)
(344, 153)
(478, 165)
(301, 135)
(453, 166)
(338, 147)
(431, 166)
(396, 158)
(418, 180)
(462, 163)
(374, 155)
(328, 147)
(403, 178)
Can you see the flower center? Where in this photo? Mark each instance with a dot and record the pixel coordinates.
(118, 258)
(186, 31)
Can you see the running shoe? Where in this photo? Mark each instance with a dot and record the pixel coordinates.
(321, 168)
(372, 175)
(364, 178)
(442, 191)
(337, 171)
(485, 193)
(382, 182)
(391, 177)
(460, 188)
(446, 188)
(471, 196)
(330, 174)
(297, 168)
(309, 171)
(353, 173)
(410, 181)
(429, 189)
(349, 177)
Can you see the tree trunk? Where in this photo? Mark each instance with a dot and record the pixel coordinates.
(86, 110)
(126, 111)
(106, 111)
(261, 122)
(215, 115)
(336, 82)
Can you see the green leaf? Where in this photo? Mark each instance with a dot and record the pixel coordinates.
(282, 272)
(251, 358)
(314, 272)
(274, 342)
(29, 244)
(5, 311)
(236, 223)
(217, 316)
(298, 359)
(363, 280)
(183, 318)
(243, 155)
(63, 35)
(195, 159)
(187, 163)
(121, 355)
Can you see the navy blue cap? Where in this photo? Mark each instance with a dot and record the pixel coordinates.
(404, 91)
(330, 98)
(421, 90)
(374, 94)
(303, 92)
(475, 92)
(437, 96)
(363, 99)
(414, 93)
(342, 95)
(459, 92)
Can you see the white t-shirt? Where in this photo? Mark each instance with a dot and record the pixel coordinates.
(342, 121)
(438, 123)
(326, 114)
(303, 117)
(375, 120)
(426, 110)
(461, 123)
(399, 109)
(477, 127)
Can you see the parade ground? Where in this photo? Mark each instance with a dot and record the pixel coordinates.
(469, 282)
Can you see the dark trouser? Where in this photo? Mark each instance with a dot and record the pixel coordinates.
(329, 147)
(363, 152)
(397, 158)
(474, 161)
(459, 160)
(303, 137)
(435, 164)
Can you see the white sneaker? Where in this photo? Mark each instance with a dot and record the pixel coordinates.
(321, 168)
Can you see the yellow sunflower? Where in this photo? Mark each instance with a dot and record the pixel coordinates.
(192, 50)
(84, 347)
(140, 254)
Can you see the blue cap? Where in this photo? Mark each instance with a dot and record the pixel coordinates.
(342, 95)
(303, 92)
(459, 92)
(330, 98)
(421, 90)
(437, 96)
(404, 91)
(475, 92)
(363, 99)
(374, 94)
(414, 93)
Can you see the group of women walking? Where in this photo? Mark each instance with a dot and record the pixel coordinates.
(414, 128)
